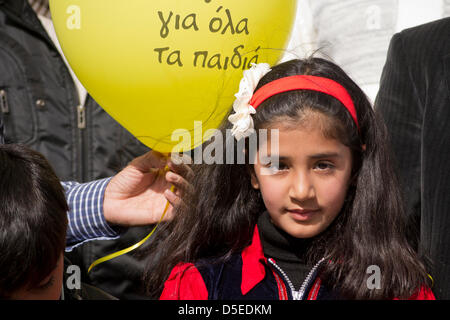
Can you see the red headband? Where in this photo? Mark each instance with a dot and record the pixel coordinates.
(305, 82)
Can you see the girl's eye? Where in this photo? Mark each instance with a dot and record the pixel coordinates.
(323, 166)
(280, 166)
(273, 168)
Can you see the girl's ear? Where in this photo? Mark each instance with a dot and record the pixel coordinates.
(251, 169)
(254, 179)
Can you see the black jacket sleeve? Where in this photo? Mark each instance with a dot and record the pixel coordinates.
(414, 100)
(401, 107)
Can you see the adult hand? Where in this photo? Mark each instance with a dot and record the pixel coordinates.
(138, 194)
(179, 175)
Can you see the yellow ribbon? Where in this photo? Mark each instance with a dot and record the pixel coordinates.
(432, 280)
(124, 251)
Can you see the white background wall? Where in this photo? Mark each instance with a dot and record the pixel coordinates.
(356, 33)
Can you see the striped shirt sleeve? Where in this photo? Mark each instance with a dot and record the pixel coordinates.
(86, 219)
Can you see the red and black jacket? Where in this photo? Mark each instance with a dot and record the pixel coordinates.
(247, 276)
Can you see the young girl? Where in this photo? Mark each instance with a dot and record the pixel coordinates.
(325, 221)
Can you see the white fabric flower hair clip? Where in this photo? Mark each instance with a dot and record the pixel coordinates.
(242, 118)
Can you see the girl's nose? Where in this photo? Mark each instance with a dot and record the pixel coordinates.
(302, 187)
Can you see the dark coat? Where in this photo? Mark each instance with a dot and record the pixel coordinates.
(2, 134)
(39, 100)
(85, 292)
(38, 107)
(414, 100)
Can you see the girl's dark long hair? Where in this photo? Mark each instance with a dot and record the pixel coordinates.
(218, 219)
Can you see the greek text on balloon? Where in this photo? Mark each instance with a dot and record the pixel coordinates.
(222, 23)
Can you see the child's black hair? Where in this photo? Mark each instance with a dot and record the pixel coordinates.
(33, 218)
(218, 220)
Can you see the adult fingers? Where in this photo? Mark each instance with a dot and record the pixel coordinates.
(182, 169)
(179, 182)
(150, 160)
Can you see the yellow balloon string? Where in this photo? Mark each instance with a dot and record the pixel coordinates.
(432, 280)
(124, 251)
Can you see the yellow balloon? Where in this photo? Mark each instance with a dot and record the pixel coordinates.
(161, 66)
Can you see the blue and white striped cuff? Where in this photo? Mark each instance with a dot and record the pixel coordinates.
(86, 219)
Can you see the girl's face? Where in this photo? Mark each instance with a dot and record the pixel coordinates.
(306, 191)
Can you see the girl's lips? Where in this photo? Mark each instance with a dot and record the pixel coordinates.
(302, 214)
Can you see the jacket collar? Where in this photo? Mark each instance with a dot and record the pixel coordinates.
(23, 14)
(15, 6)
(253, 264)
